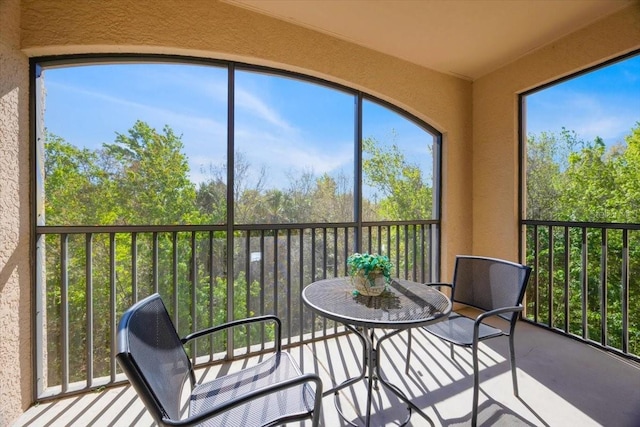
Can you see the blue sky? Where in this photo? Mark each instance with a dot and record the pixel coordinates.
(604, 103)
(288, 127)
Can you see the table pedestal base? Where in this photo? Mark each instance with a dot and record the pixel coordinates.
(372, 375)
(336, 402)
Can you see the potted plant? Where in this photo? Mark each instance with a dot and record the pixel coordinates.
(369, 273)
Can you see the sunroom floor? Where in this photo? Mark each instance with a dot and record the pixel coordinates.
(562, 382)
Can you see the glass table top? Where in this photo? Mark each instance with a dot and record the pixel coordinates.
(405, 304)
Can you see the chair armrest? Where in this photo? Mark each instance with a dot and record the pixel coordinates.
(490, 313)
(255, 394)
(240, 322)
(495, 312)
(438, 284)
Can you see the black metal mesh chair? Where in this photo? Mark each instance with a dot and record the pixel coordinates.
(494, 286)
(154, 359)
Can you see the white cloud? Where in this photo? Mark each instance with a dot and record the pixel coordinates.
(590, 115)
(201, 124)
(260, 109)
(283, 154)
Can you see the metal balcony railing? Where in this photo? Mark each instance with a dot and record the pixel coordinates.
(586, 282)
(86, 277)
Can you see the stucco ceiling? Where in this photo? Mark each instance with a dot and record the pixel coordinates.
(465, 38)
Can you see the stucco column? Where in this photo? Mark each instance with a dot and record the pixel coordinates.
(15, 281)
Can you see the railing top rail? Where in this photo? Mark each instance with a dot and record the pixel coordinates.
(583, 224)
(80, 229)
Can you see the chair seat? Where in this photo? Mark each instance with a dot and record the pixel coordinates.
(459, 330)
(263, 410)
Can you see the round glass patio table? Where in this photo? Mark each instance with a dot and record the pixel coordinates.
(405, 304)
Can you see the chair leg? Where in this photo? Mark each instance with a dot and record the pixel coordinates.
(406, 366)
(317, 406)
(476, 386)
(453, 353)
(513, 365)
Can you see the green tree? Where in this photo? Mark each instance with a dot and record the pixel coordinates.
(152, 175)
(75, 185)
(543, 171)
(573, 180)
(406, 194)
(142, 178)
(211, 200)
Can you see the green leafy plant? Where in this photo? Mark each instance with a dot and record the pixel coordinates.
(366, 264)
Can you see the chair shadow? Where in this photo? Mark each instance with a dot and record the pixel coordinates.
(490, 411)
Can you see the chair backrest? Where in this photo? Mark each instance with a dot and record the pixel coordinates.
(489, 283)
(153, 357)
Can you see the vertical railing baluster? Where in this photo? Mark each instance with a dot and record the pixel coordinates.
(415, 252)
(89, 305)
(406, 251)
(432, 261)
(324, 252)
(212, 300)
(550, 284)
(424, 250)
(194, 295)
(301, 280)
(324, 272)
(426, 254)
(603, 288)
(112, 303)
(370, 239)
(155, 262)
(346, 247)
(397, 227)
(174, 269)
(585, 283)
(64, 310)
(313, 277)
(263, 286)
(335, 252)
(625, 291)
(247, 291)
(276, 276)
(567, 277)
(536, 263)
(288, 307)
(134, 266)
(388, 246)
(335, 266)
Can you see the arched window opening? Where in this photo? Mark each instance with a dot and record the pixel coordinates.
(224, 187)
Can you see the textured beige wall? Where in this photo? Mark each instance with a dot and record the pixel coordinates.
(15, 288)
(495, 121)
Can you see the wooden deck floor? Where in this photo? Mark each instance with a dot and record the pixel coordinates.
(562, 383)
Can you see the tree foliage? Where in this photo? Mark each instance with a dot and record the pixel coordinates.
(405, 192)
(572, 180)
(142, 178)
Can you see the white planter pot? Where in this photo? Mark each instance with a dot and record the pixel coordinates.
(371, 286)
